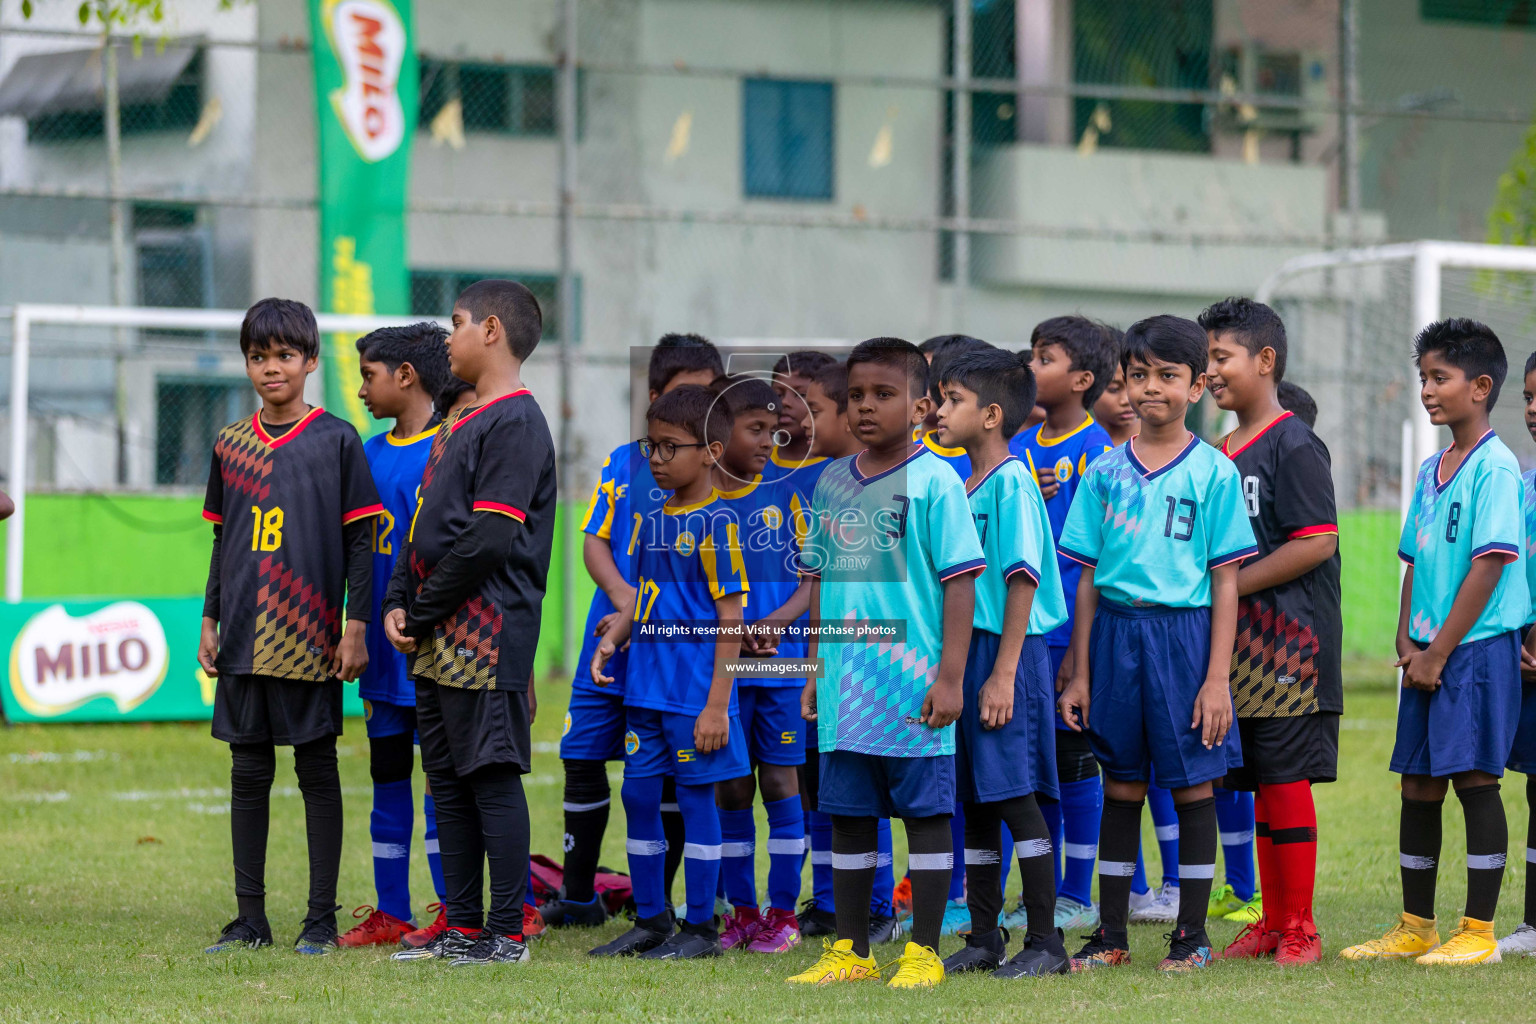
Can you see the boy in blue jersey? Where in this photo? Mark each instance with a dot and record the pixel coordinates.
(594, 722)
(892, 548)
(1464, 601)
(679, 702)
(1159, 526)
(403, 369)
(1072, 359)
(1005, 750)
(792, 455)
(939, 350)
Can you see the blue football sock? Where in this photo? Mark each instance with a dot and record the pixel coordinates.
(1051, 810)
(738, 866)
(434, 857)
(1005, 854)
(1234, 818)
(646, 844)
(1082, 807)
(701, 849)
(1165, 823)
(1139, 879)
(389, 826)
(957, 842)
(885, 873)
(821, 859)
(786, 847)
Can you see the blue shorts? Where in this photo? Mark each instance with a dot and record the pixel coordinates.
(770, 716)
(1468, 723)
(661, 743)
(875, 786)
(1019, 758)
(594, 727)
(1057, 656)
(1146, 666)
(381, 718)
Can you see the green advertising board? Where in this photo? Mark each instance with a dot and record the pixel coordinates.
(366, 84)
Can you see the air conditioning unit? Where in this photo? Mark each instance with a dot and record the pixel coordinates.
(1254, 70)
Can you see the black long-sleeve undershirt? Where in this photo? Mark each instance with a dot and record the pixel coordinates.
(485, 545)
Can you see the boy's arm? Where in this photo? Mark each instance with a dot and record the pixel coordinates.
(997, 692)
(812, 648)
(1073, 702)
(208, 641)
(712, 730)
(1405, 644)
(775, 622)
(352, 652)
(1291, 560)
(1213, 704)
(484, 545)
(394, 604)
(597, 556)
(945, 697)
(1305, 512)
(1421, 669)
(620, 624)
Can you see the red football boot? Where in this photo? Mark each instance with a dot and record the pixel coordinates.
(1299, 944)
(533, 923)
(377, 929)
(1254, 941)
(422, 936)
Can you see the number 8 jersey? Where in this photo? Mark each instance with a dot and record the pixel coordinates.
(1152, 537)
(281, 502)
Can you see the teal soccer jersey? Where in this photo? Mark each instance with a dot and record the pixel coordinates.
(687, 559)
(1477, 512)
(1152, 537)
(1528, 492)
(1015, 533)
(883, 545)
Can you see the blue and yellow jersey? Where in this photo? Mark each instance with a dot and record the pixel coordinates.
(1529, 508)
(396, 464)
(1015, 535)
(770, 550)
(957, 458)
(1476, 513)
(883, 545)
(1069, 455)
(805, 471)
(1152, 537)
(688, 558)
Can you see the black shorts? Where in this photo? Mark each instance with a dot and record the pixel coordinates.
(1074, 757)
(461, 730)
(810, 775)
(283, 712)
(1281, 750)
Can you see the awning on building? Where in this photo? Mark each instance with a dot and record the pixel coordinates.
(66, 80)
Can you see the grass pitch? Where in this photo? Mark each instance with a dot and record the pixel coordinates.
(115, 871)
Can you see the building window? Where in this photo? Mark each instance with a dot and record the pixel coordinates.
(1503, 13)
(189, 412)
(173, 265)
(499, 98)
(433, 292)
(787, 132)
(1154, 43)
(178, 111)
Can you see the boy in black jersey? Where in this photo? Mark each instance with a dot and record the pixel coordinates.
(466, 600)
(1287, 683)
(290, 499)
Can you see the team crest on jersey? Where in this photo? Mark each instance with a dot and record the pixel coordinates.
(631, 743)
(368, 711)
(772, 517)
(567, 730)
(685, 543)
(1063, 469)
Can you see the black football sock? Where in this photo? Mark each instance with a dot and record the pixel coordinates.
(672, 829)
(1530, 851)
(251, 771)
(461, 846)
(586, 803)
(320, 783)
(503, 807)
(1419, 855)
(983, 867)
(1198, 830)
(1487, 848)
(930, 864)
(1119, 840)
(1037, 873)
(855, 850)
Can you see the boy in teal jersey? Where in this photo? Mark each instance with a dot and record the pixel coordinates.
(1159, 526)
(1464, 601)
(1005, 750)
(679, 703)
(594, 722)
(892, 550)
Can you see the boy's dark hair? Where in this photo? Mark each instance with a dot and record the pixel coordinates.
(681, 353)
(280, 322)
(1468, 345)
(1087, 347)
(1294, 399)
(1167, 339)
(802, 363)
(1530, 363)
(744, 394)
(903, 355)
(941, 350)
(1114, 337)
(423, 345)
(1254, 324)
(997, 377)
(833, 379)
(449, 393)
(512, 304)
(697, 410)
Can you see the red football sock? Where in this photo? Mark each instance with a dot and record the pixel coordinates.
(1293, 835)
(1269, 872)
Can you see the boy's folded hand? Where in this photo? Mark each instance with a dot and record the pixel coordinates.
(208, 647)
(1213, 712)
(808, 701)
(600, 659)
(942, 704)
(1073, 703)
(996, 705)
(351, 652)
(394, 627)
(712, 730)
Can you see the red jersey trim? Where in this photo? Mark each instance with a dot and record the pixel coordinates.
(500, 509)
(1228, 439)
(361, 513)
(1315, 531)
(213, 517)
(293, 432)
(476, 412)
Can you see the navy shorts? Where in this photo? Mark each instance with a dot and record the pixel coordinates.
(770, 716)
(1522, 758)
(382, 718)
(1146, 665)
(1019, 758)
(875, 786)
(594, 727)
(1468, 722)
(661, 743)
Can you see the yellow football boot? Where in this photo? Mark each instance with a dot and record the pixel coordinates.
(1471, 943)
(918, 967)
(838, 962)
(1411, 936)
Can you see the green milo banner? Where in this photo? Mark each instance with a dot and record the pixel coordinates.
(109, 661)
(366, 85)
